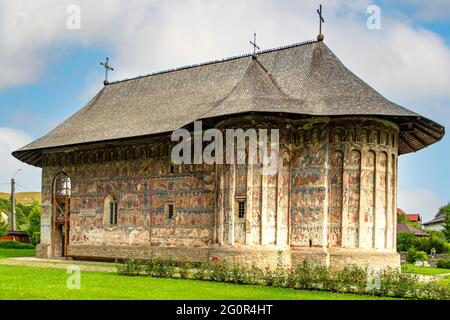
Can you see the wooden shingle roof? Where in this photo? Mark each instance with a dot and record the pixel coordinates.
(303, 79)
(438, 219)
(415, 231)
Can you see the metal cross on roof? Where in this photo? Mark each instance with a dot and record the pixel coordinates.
(107, 68)
(255, 46)
(321, 20)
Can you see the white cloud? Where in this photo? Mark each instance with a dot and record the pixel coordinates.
(146, 36)
(405, 63)
(426, 10)
(398, 60)
(419, 200)
(29, 177)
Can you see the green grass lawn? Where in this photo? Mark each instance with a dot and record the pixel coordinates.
(427, 271)
(11, 253)
(20, 282)
(445, 280)
(42, 284)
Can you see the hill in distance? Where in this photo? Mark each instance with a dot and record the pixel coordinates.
(23, 197)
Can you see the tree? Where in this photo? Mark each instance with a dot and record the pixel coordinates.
(34, 223)
(4, 207)
(3, 228)
(28, 219)
(401, 218)
(405, 241)
(445, 210)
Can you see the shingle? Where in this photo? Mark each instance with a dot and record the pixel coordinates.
(305, 79)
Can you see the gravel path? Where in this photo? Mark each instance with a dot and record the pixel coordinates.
(59, 264)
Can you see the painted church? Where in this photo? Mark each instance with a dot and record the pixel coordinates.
(111, 191)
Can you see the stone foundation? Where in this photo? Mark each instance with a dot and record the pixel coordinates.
(339, 258)
(43, 251)
(261, 257)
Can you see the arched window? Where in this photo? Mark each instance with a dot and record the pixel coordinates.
(110, 215)
(113, 211)
(61, 193)
(62, 185)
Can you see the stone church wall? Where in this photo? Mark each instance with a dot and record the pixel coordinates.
(332, 200)
(143, 188)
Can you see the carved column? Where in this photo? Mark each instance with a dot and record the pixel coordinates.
(377, 203)
(264, 212)
(345, 198)
(231, 200)
(387, 240)
(220, 203)
(279, 211)
(394, 202)
(361, 210)
(249, 209)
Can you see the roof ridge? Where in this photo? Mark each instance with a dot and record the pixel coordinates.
(245, 55)
(259, 66)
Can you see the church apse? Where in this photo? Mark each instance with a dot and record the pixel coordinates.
(343, 185)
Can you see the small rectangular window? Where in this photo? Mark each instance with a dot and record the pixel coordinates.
(241, 209)
(170, 211)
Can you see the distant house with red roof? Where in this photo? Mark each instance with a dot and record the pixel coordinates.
(413, 217)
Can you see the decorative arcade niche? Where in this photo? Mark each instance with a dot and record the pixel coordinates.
(342, 184)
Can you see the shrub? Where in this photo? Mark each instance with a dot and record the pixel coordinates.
(238, 273)
(15, 245)
(405, 241)
(406, 285)
(443, 263)
(151, 266)
(34, 224)
(421, 256)
(428, 243)
(446, 248)
(324, 279)
(218, 270)
(3, 228)
(256, 275)
(132, 267)
(303, 276)
(392, 282)
(411, 255)
(432, 291)
(35, 238)
(352, 279)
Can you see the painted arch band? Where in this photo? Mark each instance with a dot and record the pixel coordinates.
(259, 149)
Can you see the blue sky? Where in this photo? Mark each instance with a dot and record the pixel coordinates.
(49, 71)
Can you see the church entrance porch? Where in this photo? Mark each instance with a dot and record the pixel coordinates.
(61, 215)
